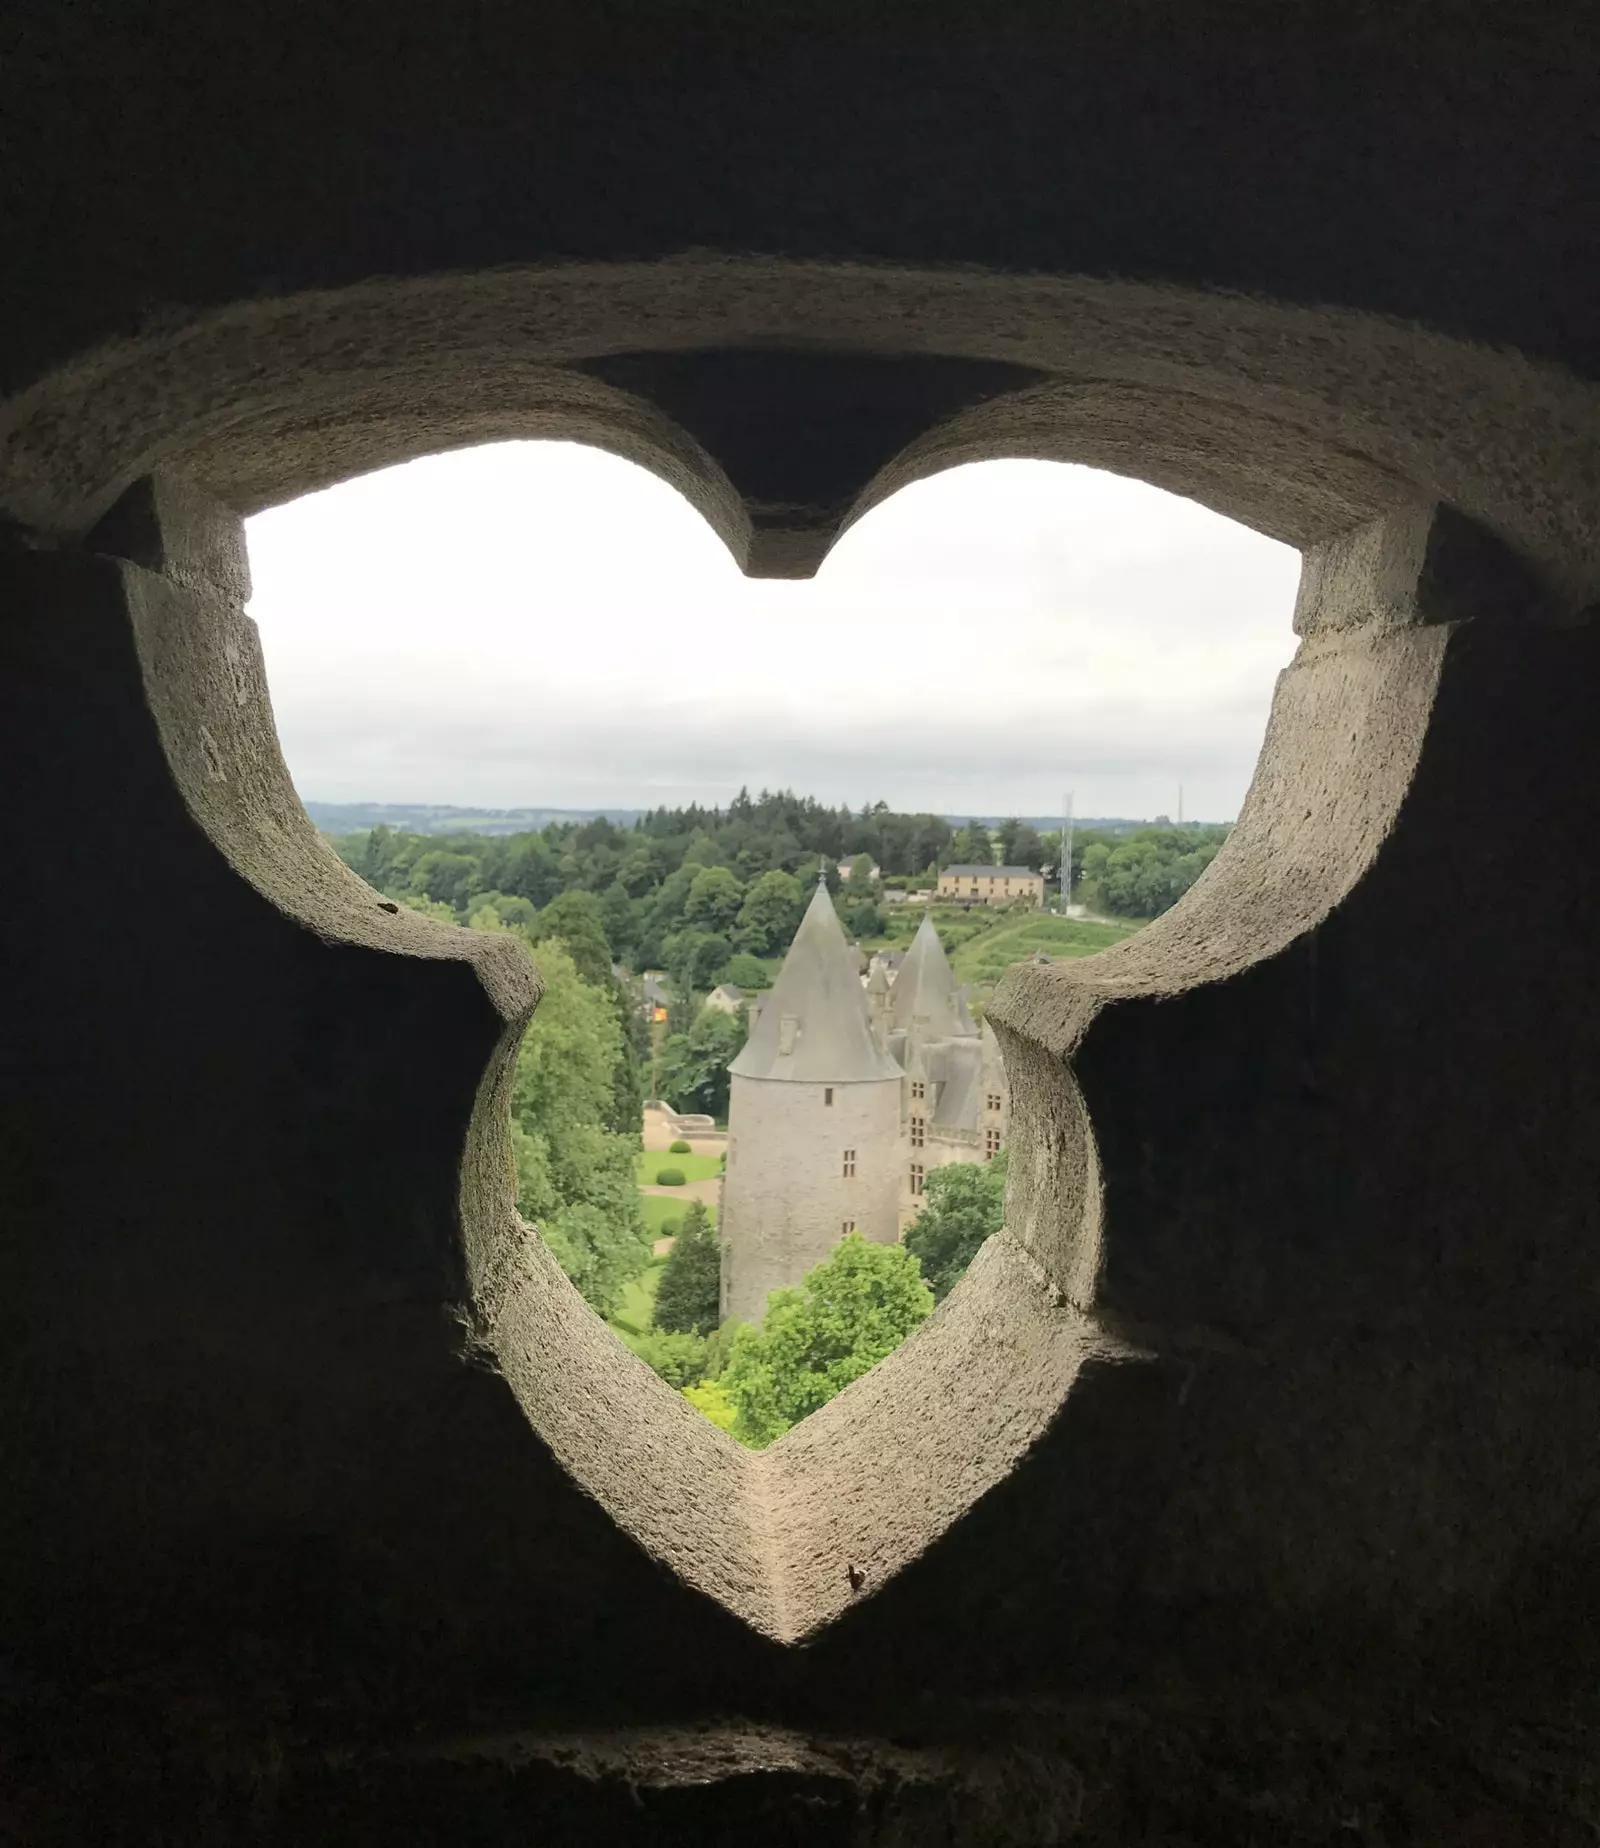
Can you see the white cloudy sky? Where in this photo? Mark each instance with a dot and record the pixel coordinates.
(533, 624)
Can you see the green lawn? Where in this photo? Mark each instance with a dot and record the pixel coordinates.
(637, 1309)
(986, 956)
(659, 1208)
(691, 1167)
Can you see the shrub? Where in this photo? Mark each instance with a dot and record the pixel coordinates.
(669, 1228)
(680, 1147)
(711, 1400)
(746, 972)
(669, 1177)
(679, 1359)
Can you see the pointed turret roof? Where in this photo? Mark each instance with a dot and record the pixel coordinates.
(925, 990)
(815, 1027)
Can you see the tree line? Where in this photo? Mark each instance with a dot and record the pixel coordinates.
(689, 889)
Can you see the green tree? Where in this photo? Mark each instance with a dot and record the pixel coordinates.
(860, 916)
(679, 1357)
(447, 878)
(1020, 844)
(964, 1204)
(971, 846)
(848, 1313)
(770, 914)
(689, 1300)
(694, 959)
(692, 1071)
(1148, 869)
(714, 900)
(502, 911)
(746, 972)
(576, 918)
(575, 1177)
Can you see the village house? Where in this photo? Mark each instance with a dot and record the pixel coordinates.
(991, 885)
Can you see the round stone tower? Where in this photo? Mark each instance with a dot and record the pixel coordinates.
(813, 1124)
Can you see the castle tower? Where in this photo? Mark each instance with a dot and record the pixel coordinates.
(925, 1001)
(813, 1124)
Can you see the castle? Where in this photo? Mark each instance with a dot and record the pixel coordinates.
(842, 1101)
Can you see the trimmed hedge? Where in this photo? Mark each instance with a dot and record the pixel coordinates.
(680, 1147)
(669, 1177)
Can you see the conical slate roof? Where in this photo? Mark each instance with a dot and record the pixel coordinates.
(925, 990)
(815, 1027)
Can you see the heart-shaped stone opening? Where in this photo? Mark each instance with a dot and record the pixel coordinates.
(849, 1076)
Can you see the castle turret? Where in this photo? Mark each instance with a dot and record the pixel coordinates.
(813, 1120)
(925, 1001)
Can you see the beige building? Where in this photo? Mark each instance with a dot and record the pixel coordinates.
(843, 1101)
(991, 885)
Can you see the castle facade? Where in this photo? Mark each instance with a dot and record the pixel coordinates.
(844, 1099)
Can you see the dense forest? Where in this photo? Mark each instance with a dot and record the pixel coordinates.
(686, 889)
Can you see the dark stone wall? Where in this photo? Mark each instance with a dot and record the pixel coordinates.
(1429, 162)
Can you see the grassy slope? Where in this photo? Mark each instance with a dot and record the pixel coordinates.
(986, 957)
(637, 1309)
(659, 1208)
(691, 1167)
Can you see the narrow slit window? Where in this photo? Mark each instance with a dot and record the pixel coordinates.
(916, 1177)
(827, 1093)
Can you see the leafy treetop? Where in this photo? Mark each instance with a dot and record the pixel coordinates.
(847, 1314)
(964, 1204)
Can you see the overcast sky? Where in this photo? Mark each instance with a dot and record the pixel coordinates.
(532, 624)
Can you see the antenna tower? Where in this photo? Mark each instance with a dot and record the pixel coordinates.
(1066, 852)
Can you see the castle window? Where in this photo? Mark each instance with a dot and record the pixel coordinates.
(918, 1090)
(994, 1100)
(827, 1093)
(847, 1228)
(849, 1164)
(918, 1131)
(991, 1144)
(916, 1177)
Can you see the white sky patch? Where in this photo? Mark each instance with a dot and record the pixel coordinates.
(539, 624)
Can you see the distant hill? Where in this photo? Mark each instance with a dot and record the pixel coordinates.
(436, 818)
